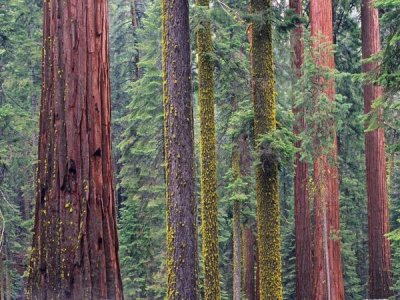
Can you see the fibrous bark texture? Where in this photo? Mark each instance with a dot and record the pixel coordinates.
(301, 195)
(75, 245)
(248, 263)
(182, 273)
(208, 161)
(379, 279)
(327, 274)
(267, 191)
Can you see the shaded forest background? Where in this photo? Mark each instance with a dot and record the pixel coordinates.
(135, 36)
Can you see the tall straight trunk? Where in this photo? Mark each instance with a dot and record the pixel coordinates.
(379, 279)
(327, 274)
(237, 251)
(301, 197)
(257, 274)
(182, 272)
(75, 244)
(208, 160)
(267, 190)
(241, 166)
(248, 263)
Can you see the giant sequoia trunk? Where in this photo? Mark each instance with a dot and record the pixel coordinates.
(301, 200)
(208, 160)
(75, 245)
(267, 191)
(328, 279)
(181, 222)
(378, 215)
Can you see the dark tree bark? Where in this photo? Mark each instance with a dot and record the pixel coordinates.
(75, 245)
(267, 189)
(327, 274)
(379, 279)
(301, 196)
(248, 263)
(179, 153)
(208, 159)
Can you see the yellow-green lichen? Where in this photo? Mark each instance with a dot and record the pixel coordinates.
(267, 189)
(209, 205)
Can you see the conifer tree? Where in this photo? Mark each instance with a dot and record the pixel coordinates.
(182, 274)
(379, 280)
(75, 244)
(236, 230)
(327, 268)
(267, 190)
(248, 263)
(302, 213)
(208, 161)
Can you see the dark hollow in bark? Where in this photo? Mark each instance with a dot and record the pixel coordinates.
(75, 245)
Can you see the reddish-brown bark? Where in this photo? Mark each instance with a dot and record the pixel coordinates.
(248, 263)
(379, 280)
(301, 196)
(257, 275)
(179, 153)
(327, 268)
(75, 245)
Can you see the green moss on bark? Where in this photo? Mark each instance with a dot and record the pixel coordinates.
(267, 188)
(208, 161)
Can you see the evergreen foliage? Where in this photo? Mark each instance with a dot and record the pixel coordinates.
(138, 134)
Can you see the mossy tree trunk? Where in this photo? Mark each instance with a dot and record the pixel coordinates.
(301, 196)
(267, 190)
(208, 161)
(75, 244)
(327, 264)
(379, 280)
(182, 258)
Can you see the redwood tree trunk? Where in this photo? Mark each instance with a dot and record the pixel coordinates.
(379, 280)
(179, 153)
(248, 263)
(75, 245)
(327, 274)
(301, 196)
